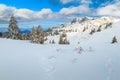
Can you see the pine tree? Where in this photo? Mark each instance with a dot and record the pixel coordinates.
(114, 40)
(84, 29)
(99, 29)
(13, 29)
(53, 42)
(108, 25)
(37, 35)
(63, 39)
(92, 31)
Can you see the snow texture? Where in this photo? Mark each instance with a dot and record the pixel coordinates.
(95, 58)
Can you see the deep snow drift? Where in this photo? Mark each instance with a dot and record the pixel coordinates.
(95, 58)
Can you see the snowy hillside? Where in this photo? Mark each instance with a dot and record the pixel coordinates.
(81, 31)
(88, 57)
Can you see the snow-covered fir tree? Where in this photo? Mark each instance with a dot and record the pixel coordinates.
(114, 40)
(63, 39)
(37, 35)
(14, 32)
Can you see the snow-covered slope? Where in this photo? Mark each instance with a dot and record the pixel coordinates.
(76, 33)
(93, 58)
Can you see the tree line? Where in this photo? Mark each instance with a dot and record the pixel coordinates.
(37, 35)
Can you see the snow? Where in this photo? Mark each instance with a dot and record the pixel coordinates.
(94, 58)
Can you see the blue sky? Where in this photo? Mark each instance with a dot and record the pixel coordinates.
(54, 5)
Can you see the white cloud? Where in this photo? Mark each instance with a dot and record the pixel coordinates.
(44, 13)
(86, 1)
(5, 12)
(22, 14)
(64, 13)
(78, 1)
(66, 1)
(27, 15)
(109, 10)
(82, 9)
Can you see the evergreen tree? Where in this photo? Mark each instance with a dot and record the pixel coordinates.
(14, 32)
(99, 29)
(114, 40)
(63, 39)
(92, 31)
(108, 25)
(84, 29)
(53, 42)
(37, 35)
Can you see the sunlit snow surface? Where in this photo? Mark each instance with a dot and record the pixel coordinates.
(99, 60)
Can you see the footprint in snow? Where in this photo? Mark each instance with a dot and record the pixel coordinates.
(75, 60)
(108, 65)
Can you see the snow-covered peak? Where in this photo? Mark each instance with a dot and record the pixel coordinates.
(83, 30)
(78, 23)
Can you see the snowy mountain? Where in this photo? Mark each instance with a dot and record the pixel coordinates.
(80, 30)
(87, 22)
(87, 57)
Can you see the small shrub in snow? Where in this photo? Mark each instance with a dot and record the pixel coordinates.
(63, 39)
(84, 29)
(24, 37)
(80, 50)
(75, 30)
(99, 29)
(46, 39)
(53, 42)
(92, 31)
(114, 40)
(78, 42)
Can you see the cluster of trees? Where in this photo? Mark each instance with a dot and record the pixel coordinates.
(37, 35)
(109, 25)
